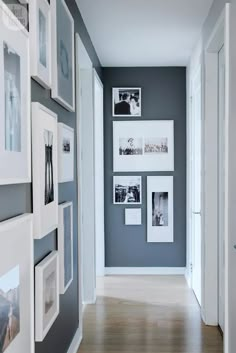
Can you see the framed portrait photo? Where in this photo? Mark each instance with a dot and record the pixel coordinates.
(63, 75)
(46, 295)
(40, 41)
(160, 209)
(126, 102)
(17, 285)
(15, 131)
(45, 170)
(142, 146)
(127, 190)
(65, 153)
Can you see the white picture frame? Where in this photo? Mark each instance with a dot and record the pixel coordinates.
(47, 296)
(160, 209)
(143, 146)
(17, 282)
(126, 102)
(127, 190)
(45, 170)
(40, 42)
(63, 72)
(133, 216)
(15, 129)
(65, 245)
(66, 151)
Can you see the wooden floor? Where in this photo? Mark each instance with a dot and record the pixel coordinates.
(147, 314)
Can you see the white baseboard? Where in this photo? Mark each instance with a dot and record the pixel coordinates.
(75, 344)
(165, 271)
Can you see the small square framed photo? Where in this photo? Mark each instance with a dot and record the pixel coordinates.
(127, 190)
(126, 102)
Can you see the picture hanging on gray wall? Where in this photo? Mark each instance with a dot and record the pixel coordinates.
(127, 190)
(126, 102)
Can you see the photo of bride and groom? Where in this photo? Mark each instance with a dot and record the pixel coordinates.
(127, 102)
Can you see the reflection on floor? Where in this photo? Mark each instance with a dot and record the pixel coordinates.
(146, 314)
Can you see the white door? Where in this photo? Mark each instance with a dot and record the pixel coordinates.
(196, 184)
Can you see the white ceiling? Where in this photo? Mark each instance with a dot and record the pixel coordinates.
(144, 32)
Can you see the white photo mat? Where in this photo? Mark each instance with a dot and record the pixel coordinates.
(116, 98)
(15, 132)
(130, 189)
(160, 231)
(131, 143)
(65, 153)
(133, 216)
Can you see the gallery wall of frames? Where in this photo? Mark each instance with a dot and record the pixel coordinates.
(38, 186)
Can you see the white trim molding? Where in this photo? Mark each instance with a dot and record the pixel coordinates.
(75, 344)
(162, 271)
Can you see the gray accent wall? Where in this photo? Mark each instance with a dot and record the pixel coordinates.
(163, 98)
(17, 199)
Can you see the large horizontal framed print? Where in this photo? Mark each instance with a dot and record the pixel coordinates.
(63, 75)
(15, 133)
(127, 190)
(143, 146)
(16, 285)
(65, 245)
(160, 217)
(65, 153)
(45, 170)
(46, 295)
(40, 41)
(126, 102)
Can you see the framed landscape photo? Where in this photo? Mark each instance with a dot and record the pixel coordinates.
(45, 170)
(65, 153)
(160, 217)
(40, 41)
(16, 285)
(126, 102)
(46, 295)
(63, 75)
(15, 132)
(127, 190)
(65, 245)
(142, 146)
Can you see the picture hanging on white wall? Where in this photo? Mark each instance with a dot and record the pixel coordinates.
(45, 170)
(15, 133)
(40, 41)
(65, 245)
(143, 145)
(127, 190)
(65, 153)
(126, 102)
(16, 285)
(46, 295)
(160, 209)
(63, 77)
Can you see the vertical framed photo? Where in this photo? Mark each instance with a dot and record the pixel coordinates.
(46, 295)
(142, 146)
(15, 132)
(65, 245)
(16, 285)
(127, 190)
(160, 213)
(63, 75)
(133, 216)
(45, 170)
(40, 41)
(65, 153)
(126, 102)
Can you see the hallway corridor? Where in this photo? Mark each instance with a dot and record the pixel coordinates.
(146, 314)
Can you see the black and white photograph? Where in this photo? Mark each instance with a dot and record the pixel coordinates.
(12, 83)
(67, 246)
(66, 145)
(130, 146)
(49, 183)
(160, 209)
(127, 102)
(49, 292)
(42, 39)
(9, 308)
(127, 189)
(154, 145)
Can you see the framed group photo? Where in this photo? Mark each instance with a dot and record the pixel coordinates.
(127, 190)
(126, 102)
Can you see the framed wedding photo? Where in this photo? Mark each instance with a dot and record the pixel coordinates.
(40, 41)
(142, 146)
(46, 295)
(127, 190)
(17, 285)
(126, 102)
(63, 75)
(160, 209)
(15, 130)
(65, 153)
(45, 170)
